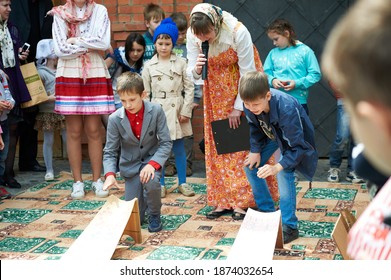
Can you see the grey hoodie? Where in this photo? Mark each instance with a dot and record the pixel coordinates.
(48, 77)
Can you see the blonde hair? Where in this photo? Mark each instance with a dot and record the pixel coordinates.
(153, 11)
(130, 82)
(357, 54)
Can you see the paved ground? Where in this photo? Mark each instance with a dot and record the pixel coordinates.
(28, 179)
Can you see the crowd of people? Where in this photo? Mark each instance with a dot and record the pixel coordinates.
(144, 94)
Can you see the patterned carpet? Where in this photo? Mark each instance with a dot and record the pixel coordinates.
(44, 221)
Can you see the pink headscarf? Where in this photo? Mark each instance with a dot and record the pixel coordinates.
(68, 13)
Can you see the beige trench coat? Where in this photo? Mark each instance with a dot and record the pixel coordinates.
(169, 85)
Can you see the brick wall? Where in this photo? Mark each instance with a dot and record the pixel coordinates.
(127, 16)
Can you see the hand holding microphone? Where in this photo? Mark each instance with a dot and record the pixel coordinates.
(205, 50)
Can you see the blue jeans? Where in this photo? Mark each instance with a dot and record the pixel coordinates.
(342, 140)
(6, 140)
(286, 187)
(178, 148)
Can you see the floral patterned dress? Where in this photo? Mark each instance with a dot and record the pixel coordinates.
(227, 184)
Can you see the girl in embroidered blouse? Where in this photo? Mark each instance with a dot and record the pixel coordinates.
(81, 28)
(231, 54)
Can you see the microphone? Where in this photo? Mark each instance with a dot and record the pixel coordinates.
(205, 50)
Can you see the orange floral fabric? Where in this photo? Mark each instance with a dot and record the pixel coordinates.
(227, 184)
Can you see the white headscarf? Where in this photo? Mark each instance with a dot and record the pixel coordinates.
(45, 49)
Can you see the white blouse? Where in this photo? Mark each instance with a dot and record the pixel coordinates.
(240, 41)
(94, 34)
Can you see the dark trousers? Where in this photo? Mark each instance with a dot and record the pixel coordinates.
(28, 140)
(13, 141)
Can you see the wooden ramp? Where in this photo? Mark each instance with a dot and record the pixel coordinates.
(100, 238)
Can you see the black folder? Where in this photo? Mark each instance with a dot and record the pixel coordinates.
(228, 140)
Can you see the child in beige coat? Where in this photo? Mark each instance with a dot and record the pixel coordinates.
(165, 80)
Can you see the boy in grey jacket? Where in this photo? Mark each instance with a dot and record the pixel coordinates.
(139, 135)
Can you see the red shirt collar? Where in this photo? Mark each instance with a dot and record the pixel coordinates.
(132, 116)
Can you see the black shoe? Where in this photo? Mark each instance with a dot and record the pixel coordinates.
(237, 216)
(2, 181)
(216, 214)
(35, 168)
(290, 234)
(12, 183)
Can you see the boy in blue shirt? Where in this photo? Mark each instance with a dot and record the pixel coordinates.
(277, 120)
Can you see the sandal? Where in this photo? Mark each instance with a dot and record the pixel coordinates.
(237, 216)
(216, 214)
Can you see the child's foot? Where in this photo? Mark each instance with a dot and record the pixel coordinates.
(4, 194)
(49, 176)
(97, 187)
(186, 189)
(155, 224)
(77, 190)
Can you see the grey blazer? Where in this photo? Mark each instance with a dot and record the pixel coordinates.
(154, 144)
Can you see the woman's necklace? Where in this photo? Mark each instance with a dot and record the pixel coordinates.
(81, 9)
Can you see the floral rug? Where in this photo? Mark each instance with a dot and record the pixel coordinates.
(43, 222)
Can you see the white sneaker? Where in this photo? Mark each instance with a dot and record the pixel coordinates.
(97, 187)
(333, 175)
(77, 190)
(354, 178)
(49, 176)
(186, 189)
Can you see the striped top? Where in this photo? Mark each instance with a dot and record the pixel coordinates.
(370, 237)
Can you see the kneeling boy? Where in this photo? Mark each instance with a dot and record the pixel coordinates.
(137, 132)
